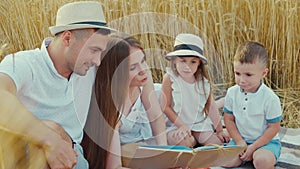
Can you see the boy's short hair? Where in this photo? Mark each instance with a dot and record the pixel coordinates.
(250, 52)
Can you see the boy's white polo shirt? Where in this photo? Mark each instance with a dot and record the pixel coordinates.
(253, 111)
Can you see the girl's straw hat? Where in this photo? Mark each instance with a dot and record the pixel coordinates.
(79, 15)
(187, 45)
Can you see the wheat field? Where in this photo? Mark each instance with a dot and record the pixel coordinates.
(223, 24)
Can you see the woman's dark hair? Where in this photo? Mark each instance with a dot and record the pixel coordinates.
(109, 94)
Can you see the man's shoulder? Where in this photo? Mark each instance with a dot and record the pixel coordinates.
(24, 54)
(22, 59)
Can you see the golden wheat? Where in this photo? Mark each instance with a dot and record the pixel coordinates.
(222, 24)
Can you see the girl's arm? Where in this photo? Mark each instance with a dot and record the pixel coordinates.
(155, 114)
(168, 101)
(114, 154)
(214, 115)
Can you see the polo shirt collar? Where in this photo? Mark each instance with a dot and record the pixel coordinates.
(254, 93)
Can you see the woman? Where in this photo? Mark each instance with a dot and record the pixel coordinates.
(130, 111)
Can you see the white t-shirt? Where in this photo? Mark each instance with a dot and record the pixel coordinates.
(45, 93)
(189, 100)
(253, 111)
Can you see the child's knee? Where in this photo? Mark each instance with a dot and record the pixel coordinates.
(174, 139)
(263, 159)
(188, 141)
(205, 138)
(234, 163)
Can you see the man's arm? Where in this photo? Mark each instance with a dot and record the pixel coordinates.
(17, 119)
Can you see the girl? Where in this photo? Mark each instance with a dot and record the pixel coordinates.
(125, 108)
(190, 107)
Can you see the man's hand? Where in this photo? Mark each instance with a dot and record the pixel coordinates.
(58, 148)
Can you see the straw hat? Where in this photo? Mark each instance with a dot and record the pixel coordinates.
(79, 15)
(187, 45)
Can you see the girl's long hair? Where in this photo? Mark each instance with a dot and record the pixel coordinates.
(108, 98)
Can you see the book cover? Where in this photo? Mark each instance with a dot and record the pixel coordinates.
(164, 157)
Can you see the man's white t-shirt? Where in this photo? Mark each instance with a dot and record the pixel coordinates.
(48, 95)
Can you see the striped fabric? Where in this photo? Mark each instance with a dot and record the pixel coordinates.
(290, 152)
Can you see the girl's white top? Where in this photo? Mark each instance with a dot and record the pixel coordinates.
(189, 100)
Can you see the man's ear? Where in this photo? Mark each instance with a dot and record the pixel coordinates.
(265, 72)
(66, 37)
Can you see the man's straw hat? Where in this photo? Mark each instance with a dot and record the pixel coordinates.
(79, 15)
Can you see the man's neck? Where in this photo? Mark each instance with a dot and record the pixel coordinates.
(56, 55)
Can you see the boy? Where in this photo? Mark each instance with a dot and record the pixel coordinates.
(252, 110)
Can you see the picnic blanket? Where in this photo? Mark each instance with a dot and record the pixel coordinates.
(290, 152)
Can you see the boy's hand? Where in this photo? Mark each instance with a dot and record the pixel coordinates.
(248, 154)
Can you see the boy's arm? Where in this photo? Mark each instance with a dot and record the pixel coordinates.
(273, 107)
(269, 134)
(167, 100)
(232, 129)
(15, 118)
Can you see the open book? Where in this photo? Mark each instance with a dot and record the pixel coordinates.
(164, 157)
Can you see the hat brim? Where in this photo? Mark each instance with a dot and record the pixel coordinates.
(56, 29)
(186, 53)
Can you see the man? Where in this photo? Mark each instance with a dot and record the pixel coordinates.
(37, 85)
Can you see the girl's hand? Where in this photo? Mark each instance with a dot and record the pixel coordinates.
(184, 137)
(224, 137)
(185, 131)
